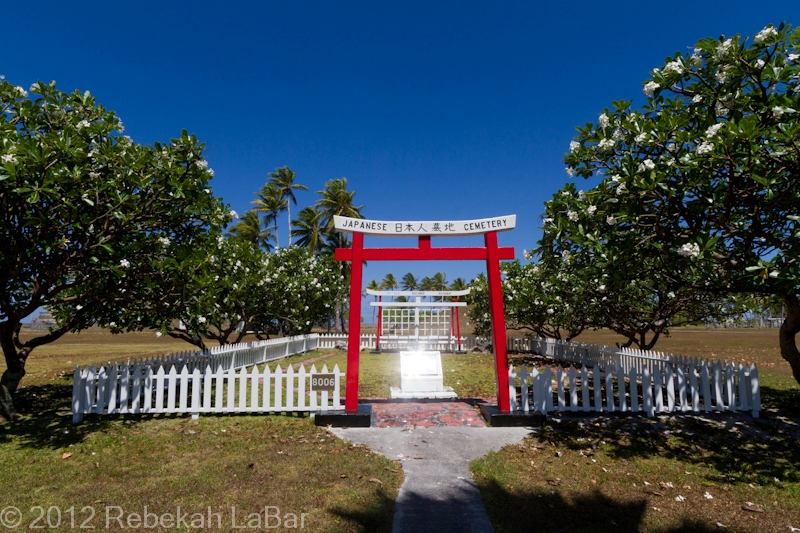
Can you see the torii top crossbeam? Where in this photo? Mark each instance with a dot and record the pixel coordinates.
(424, 230)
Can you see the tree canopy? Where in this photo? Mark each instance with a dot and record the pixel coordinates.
(701, 183)
(91, 220)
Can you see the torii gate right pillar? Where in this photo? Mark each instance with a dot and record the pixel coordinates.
(498, 320)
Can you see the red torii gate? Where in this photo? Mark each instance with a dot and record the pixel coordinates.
(490, 252)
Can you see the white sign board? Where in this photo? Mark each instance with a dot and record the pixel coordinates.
(421, 376)
(453, 228)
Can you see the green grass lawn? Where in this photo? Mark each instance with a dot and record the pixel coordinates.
(575, 474)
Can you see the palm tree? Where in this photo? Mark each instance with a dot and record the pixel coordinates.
(389, 283)
(427, 284)
(459, 284)
(336, 200)
(410, 283)
(283, 180)
(439, 282)
(249, 229)
(270, 201)
(310, 229)
(373, 286)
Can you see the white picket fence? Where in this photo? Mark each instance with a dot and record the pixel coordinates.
(143, 390)
(673, 388)
(234, 355)
(142, 386)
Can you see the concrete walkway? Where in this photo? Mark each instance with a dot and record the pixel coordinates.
(438, 494)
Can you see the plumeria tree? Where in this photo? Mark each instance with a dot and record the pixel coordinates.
(703, 178)
(626, 292)
(300, 290)
(88, 217)
(238, 290)
(541, 301)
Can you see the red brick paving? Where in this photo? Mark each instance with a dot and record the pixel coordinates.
(425, 414)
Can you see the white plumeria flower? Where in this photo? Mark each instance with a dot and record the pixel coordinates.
(9, 158)
(572, 215)
(793, 57)
(158, 333)
(711, 131)
(570, 172)
(611, 220)
(78, 307)
(574, 145)
(22, 93)
(690, 249)
(679, 498)
(234, 214)
(670, 294)
(201, 320)
(606, 144)
(124, 263)
(650, 88)
(708, 496)
(766, 33)
(603, 121)
(696, 99)
(591, 209)
(674, 66)
(647, 164)
(705, 148)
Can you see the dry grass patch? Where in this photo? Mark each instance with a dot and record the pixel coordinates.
(650, 475)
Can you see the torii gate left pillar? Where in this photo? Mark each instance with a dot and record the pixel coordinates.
(491, 253)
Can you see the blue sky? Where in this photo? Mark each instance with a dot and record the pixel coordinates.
(431, 110)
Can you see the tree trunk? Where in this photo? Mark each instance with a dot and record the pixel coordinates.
(788, 332)
(15, 371)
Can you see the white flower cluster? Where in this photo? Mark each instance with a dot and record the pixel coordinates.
(234, 214)
(574, 145)
(713, 130)
(606, 144)
(603, 121)
(22, 93)
(674, 66)
(690, 249)
(650, 87)
(611, 220)
(647, 164)
(705, 148)
(164, 241)
(9, 158)
(570, 172)
(124, 263)
(766, 33)
(723, 48)
(572, 215)
(591, 209)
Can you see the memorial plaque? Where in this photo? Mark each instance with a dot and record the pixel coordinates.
(320, 382)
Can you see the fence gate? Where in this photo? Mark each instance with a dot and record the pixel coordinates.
(490, 252)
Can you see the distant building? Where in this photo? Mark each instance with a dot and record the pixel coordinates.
(43, 322)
